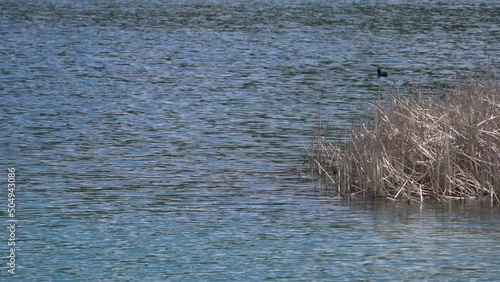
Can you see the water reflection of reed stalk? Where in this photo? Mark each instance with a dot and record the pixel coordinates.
(413, 148)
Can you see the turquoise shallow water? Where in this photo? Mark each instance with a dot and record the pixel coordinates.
(163, 141)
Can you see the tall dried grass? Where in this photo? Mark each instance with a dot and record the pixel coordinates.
(415, 148)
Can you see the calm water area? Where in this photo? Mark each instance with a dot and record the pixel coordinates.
(165, 140)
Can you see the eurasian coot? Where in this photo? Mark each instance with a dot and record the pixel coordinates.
(381, 73)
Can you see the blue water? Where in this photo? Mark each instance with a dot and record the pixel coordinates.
(164, 141)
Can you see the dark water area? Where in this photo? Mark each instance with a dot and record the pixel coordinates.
(165, 140)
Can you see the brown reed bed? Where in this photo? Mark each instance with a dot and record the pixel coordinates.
(415, 148)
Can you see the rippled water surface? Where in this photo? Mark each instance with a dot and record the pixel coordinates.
(164, 140)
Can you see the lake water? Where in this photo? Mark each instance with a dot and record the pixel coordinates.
(165, 140)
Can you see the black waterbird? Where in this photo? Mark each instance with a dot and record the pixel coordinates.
(381, 73)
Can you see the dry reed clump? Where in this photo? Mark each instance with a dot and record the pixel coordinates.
(414, 148)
